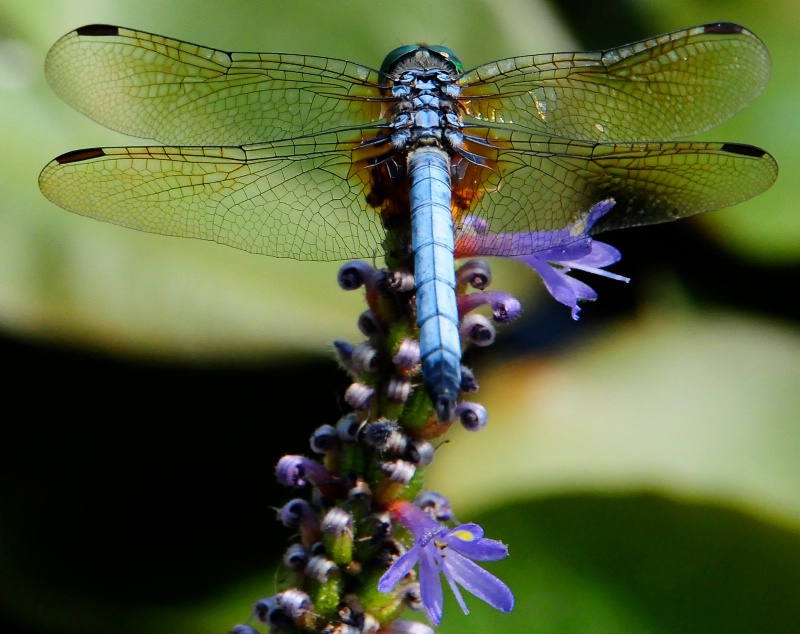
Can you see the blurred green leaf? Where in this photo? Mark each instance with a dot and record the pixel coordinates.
(765, 228)
(639, 563)
(701, 404)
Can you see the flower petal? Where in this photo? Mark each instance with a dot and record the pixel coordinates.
(480, 583)
(598, 211)
(564, 289)
(430, 585)
(421, 525)
(576, 249)
(480, 549)
(601, 254)
(454, 587)
(469, 532)
(399, 570)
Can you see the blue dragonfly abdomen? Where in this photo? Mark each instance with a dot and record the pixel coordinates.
(432, 241)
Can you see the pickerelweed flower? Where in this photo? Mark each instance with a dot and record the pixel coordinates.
(450, 552)
(552, 254)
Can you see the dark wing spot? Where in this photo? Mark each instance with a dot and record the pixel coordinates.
(743, 149)
(723, 28)
(77, 156)
(97, 30)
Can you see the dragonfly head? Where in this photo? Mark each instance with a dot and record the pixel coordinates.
(399, 54)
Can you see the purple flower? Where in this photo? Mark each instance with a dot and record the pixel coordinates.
(552, 254)
(449, 551)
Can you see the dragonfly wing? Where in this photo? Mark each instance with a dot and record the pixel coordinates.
(177, 93)
(298, 198)
(673, 85)
(542, 184)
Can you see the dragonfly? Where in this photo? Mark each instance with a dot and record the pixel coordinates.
(318, 158)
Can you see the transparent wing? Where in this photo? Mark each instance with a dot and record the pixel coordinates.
(177, 93)
(299, 198)
(673, 85)
(542, 184)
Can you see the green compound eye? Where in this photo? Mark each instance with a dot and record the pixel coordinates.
(449, 55)
(392, 58)
(399, 53)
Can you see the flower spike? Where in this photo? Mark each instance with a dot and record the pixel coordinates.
(345, 568)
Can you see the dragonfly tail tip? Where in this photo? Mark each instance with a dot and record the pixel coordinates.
(445, 407)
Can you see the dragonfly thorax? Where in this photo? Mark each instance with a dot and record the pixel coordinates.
(426, 109)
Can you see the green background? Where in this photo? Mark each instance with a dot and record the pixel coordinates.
(642, 464)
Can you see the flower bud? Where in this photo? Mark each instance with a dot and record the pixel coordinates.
(344, 353)
(475, 273)
(321, 568)
(359, 395)
(398, 389)
(367, 324)
(270, 612)
(407, 355)
(337, 522)
(295, 513)
(295, 471)
(436, 505)
(354, 275)
(349, 427)
(295, 558)
(324, 438)
(386, 437)
(400, 281)
(473, 416)
(294, 602)
(399, 471)
(365, 358)
(421, 452)
(469, 383)
(477, 330)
